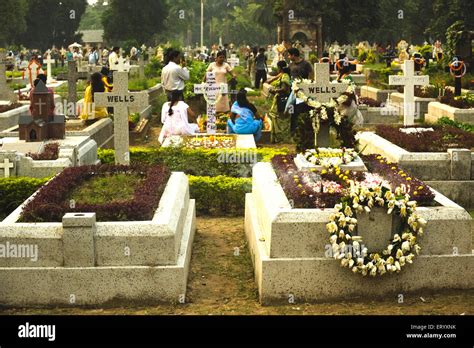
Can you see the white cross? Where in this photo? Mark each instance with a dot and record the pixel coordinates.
(212, 92)
(233, 60)
(49, 61)
(6, 165)
(322, 90)
(409, 80)
(121, 99)
(33, 71)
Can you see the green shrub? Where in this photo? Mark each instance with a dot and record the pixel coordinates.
(445, 121)
(197, 71)
(14, 191)
(220, 195)
(199, 162)
(138, 84)
(153, 69)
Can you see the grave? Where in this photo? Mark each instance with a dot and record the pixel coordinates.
(409, 80)
(452, 172)
(49, 61)
(212, 92)
(323, 90)
(121, 99)
(99, 263)
(288, 248)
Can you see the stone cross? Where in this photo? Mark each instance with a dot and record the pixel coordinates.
(6, 165)
(33, 70)
(5, 91)
(72, 88)
(212, 92)
(121, 99)
(141, 67)
(233, 60)
(322, 90)
(306, 50)
(49, 61)
(409, 80)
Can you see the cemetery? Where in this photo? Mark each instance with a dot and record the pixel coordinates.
(253, 165)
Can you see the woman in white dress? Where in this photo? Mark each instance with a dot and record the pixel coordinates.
(174, 116)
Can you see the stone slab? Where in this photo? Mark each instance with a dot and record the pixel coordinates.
(436, 110)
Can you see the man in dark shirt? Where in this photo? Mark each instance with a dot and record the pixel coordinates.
(299, 68)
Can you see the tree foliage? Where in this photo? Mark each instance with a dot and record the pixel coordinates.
(52, 22)
(12, 20)
(126, 20)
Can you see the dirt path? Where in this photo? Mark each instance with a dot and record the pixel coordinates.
(221, 281)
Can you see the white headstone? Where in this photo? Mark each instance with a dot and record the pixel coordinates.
(212, 92)
(233, 60)
(6, 165)
(122, 65)
(409, 80)
(49, 61)
(322, 89)
(306, 50)
(121, 99)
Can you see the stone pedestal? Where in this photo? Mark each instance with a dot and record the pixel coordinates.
(460, 164)
(78, 239)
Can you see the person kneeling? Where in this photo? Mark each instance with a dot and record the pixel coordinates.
(174, 116)
(244, 119)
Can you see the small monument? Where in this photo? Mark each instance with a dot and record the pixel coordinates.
(233, 60)
(42, 124)
(72, 88)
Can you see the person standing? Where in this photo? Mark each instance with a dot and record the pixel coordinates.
(281, 88)
(174, 74)
(221, 69)
(114, 58)
(299, 67)
(260, 68)
(93, 57)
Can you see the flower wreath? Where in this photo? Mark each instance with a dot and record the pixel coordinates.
(330, 157)
(319, 111)
(455, 68)
(401, 249)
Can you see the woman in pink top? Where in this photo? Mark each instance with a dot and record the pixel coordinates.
(220, 68)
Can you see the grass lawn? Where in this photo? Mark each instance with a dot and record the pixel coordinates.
(106, 189)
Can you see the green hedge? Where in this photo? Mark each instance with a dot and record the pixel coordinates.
(220, 195)
(198, 162)
(14, 191)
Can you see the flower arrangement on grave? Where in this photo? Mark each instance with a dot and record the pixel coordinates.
(328, 157)
(326, 112)
(352, 193)
(343, 222)
(203, 142)
(221, 122)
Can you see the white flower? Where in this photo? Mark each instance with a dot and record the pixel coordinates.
(338, 207)
(409, 258)
(331, 227)
(360, 261)
(351, 227)
(373, 272)
(367, 209)
(344, 262)
(417, 249)
(406, 246)
(396, 237)
(351, 263)
(354, 269)
(348, 211)
(397, 266)
(389, 248)
(333, 239)
(402, 261)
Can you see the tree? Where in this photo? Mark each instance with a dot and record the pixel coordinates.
(52, 22)
(12, 20)
(92, 18)
(129, 20)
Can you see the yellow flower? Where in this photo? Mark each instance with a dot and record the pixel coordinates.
(324, 171)
(347, 172)
(400, 172)
(420, 187)
(345, 177)
(299, 185)
(408, 179)
(393, 168)
(415, 193)
(379, 157)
